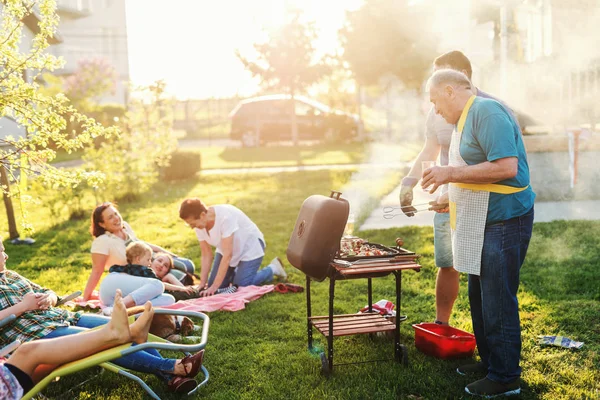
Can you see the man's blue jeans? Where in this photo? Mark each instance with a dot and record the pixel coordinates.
(493, 297)
(149, 361)
(245, 274)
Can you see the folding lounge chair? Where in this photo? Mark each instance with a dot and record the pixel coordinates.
(103, 358)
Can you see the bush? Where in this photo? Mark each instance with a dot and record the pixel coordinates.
(183, 165)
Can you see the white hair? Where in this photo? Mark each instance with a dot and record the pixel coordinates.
(450, 77)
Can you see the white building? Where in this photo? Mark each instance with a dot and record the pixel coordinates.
(92, 29)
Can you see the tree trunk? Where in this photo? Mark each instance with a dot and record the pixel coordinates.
(293, 119)
(359, 102)
(10, 212)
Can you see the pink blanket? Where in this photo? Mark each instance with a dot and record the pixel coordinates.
(93, 302)
(225, 302)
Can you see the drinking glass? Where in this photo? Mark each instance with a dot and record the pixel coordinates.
(426, 165)
(349, 230)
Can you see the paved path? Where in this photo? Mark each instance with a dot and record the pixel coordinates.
(294, 168)
(545, 211)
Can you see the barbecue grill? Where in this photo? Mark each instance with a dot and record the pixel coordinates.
(314, 249)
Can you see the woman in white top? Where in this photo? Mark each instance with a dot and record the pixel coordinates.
(239, 246)
(111, 237)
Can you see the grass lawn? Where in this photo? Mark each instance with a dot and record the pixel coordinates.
(261, 352)
(62, 156)
(322, 154)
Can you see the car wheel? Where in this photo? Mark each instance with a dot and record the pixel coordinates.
(249, 139)
(330, 135)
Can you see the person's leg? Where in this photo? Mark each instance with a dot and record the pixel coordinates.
(477, 318)
(136, 290)
(162, 300)
(446, 284)
(149, 361)
(183, 264)
(501, 263)
(62, 350)
(247, 273)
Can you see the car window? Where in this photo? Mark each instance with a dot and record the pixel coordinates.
(304, 109)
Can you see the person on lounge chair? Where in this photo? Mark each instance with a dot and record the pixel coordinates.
(17, 374)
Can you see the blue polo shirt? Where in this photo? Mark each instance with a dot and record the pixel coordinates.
(491, 133)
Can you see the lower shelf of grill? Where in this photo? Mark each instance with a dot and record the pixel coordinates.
(352, 324)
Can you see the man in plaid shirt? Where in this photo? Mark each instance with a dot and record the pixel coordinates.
(35, 307)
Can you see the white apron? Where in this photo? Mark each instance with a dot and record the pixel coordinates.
(469, 207)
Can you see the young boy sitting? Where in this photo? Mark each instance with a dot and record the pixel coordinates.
(136, 280)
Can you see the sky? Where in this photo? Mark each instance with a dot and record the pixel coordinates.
(191, 43)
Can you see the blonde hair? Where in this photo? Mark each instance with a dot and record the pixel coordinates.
(135, 250)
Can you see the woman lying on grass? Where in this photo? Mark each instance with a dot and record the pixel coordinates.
(17, 374)
(162, 266)
(111, 237)
(38, 318)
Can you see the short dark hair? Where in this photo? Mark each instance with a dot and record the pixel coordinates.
(95, 228)
(191, 208)
(456, 60)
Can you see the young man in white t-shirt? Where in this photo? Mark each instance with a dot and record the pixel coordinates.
(239, 246)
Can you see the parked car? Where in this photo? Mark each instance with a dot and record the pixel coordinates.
(268, 119)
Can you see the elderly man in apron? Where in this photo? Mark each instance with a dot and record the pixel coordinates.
(491, 216)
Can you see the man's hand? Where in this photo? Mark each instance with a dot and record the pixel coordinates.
(441, 205)
(435, 177)
(208, 292)
(30, 301)
(406, 198)
(45, 300)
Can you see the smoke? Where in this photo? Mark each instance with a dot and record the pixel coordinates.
(395, 118)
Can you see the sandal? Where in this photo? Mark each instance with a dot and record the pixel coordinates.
(288, 287)
(195, 360)
(181, 384)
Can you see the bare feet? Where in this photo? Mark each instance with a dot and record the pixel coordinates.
(118, 326)
(139, 329)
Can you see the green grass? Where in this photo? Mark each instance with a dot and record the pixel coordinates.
(282, 156)
(62, 156)
(261, 352)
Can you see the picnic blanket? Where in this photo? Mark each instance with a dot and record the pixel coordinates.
(93, 302)
(224, 302)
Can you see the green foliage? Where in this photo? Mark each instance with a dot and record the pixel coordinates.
(182, 165)
(93, 78)
(286, 62)
(41, 114)
(132, 161)
(387, 37)
(107, 114)
(71, 202)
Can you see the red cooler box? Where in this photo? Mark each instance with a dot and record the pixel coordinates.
(443, 341)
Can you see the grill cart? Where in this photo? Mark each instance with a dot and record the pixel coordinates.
(314, 248)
